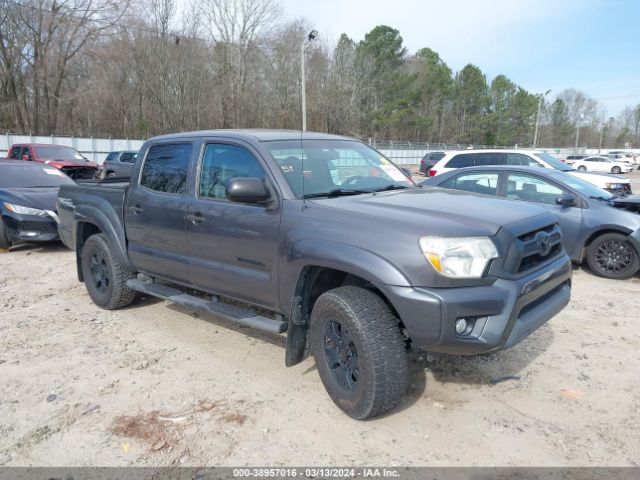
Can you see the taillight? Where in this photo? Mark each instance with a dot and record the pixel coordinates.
(422, 161)
(432, 173)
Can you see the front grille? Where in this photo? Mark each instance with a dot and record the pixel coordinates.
(537, 247)
(79, 172)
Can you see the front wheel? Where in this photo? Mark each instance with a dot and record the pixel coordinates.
(105, 279)
(612, 256)
(360, 351)
(582, 168)
(616, 170)
(4, 239)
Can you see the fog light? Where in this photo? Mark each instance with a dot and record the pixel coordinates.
(461, 326)
(24, 233)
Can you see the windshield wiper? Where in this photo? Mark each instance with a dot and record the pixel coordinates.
(389, 187)
(336, 192)
(605, 199)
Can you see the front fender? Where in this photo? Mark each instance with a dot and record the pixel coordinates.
(338, 256)
(109, 224)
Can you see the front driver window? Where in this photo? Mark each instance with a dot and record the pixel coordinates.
(532, 189)
(223, 162)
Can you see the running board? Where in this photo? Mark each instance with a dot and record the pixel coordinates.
(242, 316)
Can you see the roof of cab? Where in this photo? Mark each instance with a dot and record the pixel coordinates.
(260, 135)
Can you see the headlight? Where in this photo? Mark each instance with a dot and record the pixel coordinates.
(20, 210)
(466, 257)
(614, 186)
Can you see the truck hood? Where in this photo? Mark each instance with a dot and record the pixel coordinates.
(70, 163)
(42, 198)
(442, 212)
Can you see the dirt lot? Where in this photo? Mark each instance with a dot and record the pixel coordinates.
(156, 384)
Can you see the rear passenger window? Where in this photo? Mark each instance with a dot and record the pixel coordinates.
(165, 168)
(15, 153)
(128, 157)
(490, 158)
(462, 160)
(223, 162)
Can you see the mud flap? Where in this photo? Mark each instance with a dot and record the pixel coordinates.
(297, 335)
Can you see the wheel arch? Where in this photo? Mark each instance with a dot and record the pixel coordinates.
(602, 231)
(313, 281)
(89, 221)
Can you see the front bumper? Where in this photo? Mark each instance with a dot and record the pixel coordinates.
(30, 228)
(502, 314)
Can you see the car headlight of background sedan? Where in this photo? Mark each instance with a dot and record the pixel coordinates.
(20, 210)
(466, 257)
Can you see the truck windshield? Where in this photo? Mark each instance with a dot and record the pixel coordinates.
(315, 168)
(59, 153)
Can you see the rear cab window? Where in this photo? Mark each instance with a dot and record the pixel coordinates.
(16, 153)
(166, 168)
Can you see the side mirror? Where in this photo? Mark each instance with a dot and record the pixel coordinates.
(247, 190)
(566, 200)
(407, 172)
(25, 157)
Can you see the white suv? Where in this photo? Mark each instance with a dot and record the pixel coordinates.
(534, 158)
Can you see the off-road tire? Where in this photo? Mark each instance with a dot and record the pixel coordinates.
(5, 244)
(618, 243)
(383, 367)
(113, 291)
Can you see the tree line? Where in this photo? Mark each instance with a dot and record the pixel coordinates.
(138, 68)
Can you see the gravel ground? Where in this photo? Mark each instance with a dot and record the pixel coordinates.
(156, 384)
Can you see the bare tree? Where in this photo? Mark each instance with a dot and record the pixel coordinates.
(237, 28)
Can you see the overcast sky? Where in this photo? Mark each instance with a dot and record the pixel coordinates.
(591, 45)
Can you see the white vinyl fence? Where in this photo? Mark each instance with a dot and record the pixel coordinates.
(95, 149)
(402, 153)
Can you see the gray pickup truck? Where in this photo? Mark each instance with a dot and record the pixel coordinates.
(323, 238)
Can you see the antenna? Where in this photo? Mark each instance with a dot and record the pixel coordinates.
(303, 101)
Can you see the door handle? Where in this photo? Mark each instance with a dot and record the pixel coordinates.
(136, 209)
(195, 218)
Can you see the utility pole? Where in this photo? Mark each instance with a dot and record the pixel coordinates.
(535, 133)
(578, 129)
(303, 92)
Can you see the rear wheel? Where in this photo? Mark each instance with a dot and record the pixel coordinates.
(360, 351)
(616, 170)
(582, 168)
(4, 240)
(612, 256)
(105, 279)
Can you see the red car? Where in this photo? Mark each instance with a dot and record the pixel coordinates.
(62, 157)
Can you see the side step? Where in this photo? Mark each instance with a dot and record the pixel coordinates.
(242, 316)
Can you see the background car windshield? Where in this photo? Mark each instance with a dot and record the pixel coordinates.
(585, 187)
(31, 176)
(58, 153)
(319, 166)
(554, 162)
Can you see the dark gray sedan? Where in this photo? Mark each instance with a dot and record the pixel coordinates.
(597, 227)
